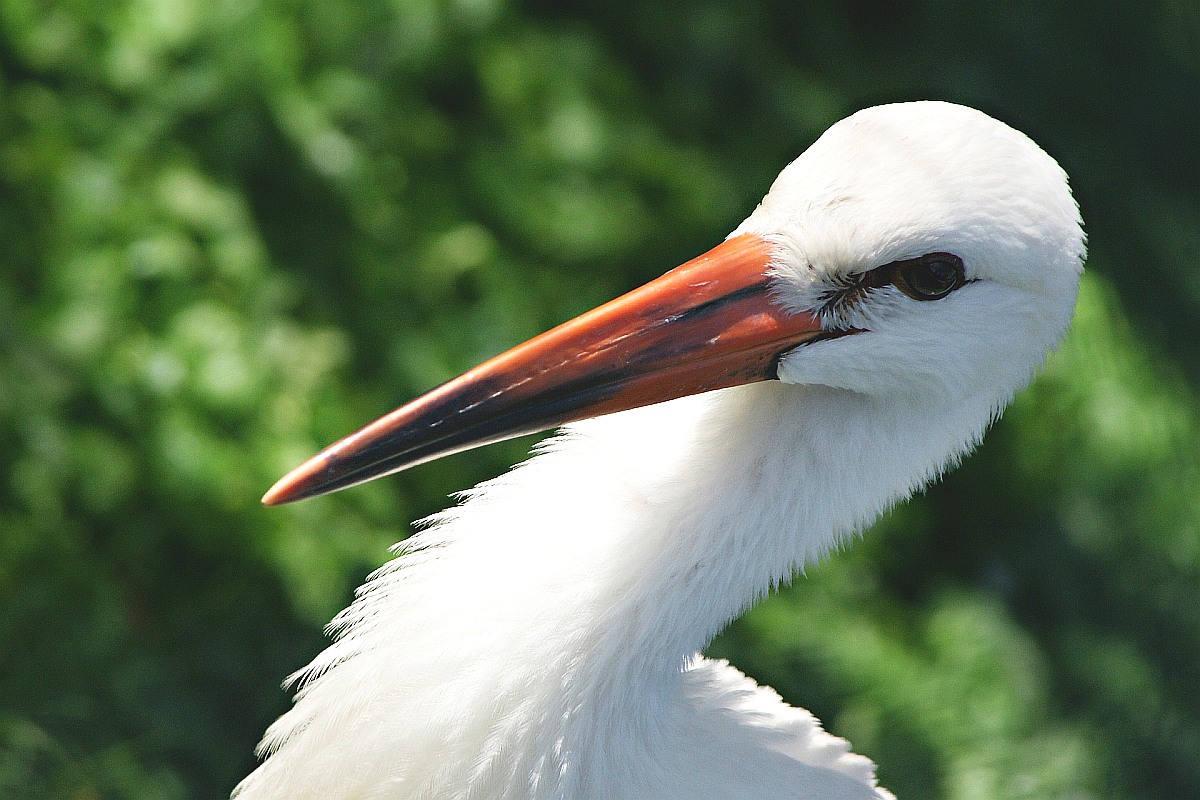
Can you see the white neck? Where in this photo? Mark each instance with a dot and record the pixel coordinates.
(694, 509)
(594, 572)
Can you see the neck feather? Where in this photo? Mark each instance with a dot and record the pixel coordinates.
(680, 516)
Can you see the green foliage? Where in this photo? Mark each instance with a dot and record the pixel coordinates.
(234, 231)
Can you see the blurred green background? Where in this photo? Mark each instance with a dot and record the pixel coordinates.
(232, 231)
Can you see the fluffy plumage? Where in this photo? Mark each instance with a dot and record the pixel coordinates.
(540, 640)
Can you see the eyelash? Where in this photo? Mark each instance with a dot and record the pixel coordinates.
(845, 293)
(848, 291)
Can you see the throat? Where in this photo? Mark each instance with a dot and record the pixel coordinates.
(663, 524)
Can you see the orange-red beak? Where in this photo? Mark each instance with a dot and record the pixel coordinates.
(708, 324)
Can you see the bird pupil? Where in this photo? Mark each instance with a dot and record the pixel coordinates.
(932, 277)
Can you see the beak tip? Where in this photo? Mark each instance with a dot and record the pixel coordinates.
(304, 481)
(277, 495)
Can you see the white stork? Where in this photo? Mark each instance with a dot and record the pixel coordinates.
(541, 640)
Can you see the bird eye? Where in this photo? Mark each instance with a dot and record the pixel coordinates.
(930, 277)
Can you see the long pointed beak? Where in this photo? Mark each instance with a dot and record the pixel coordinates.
(708, 324)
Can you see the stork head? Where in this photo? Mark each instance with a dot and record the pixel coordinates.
(915, 251)
(951, 240)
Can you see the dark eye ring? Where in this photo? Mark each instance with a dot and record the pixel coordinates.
(930, 277)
